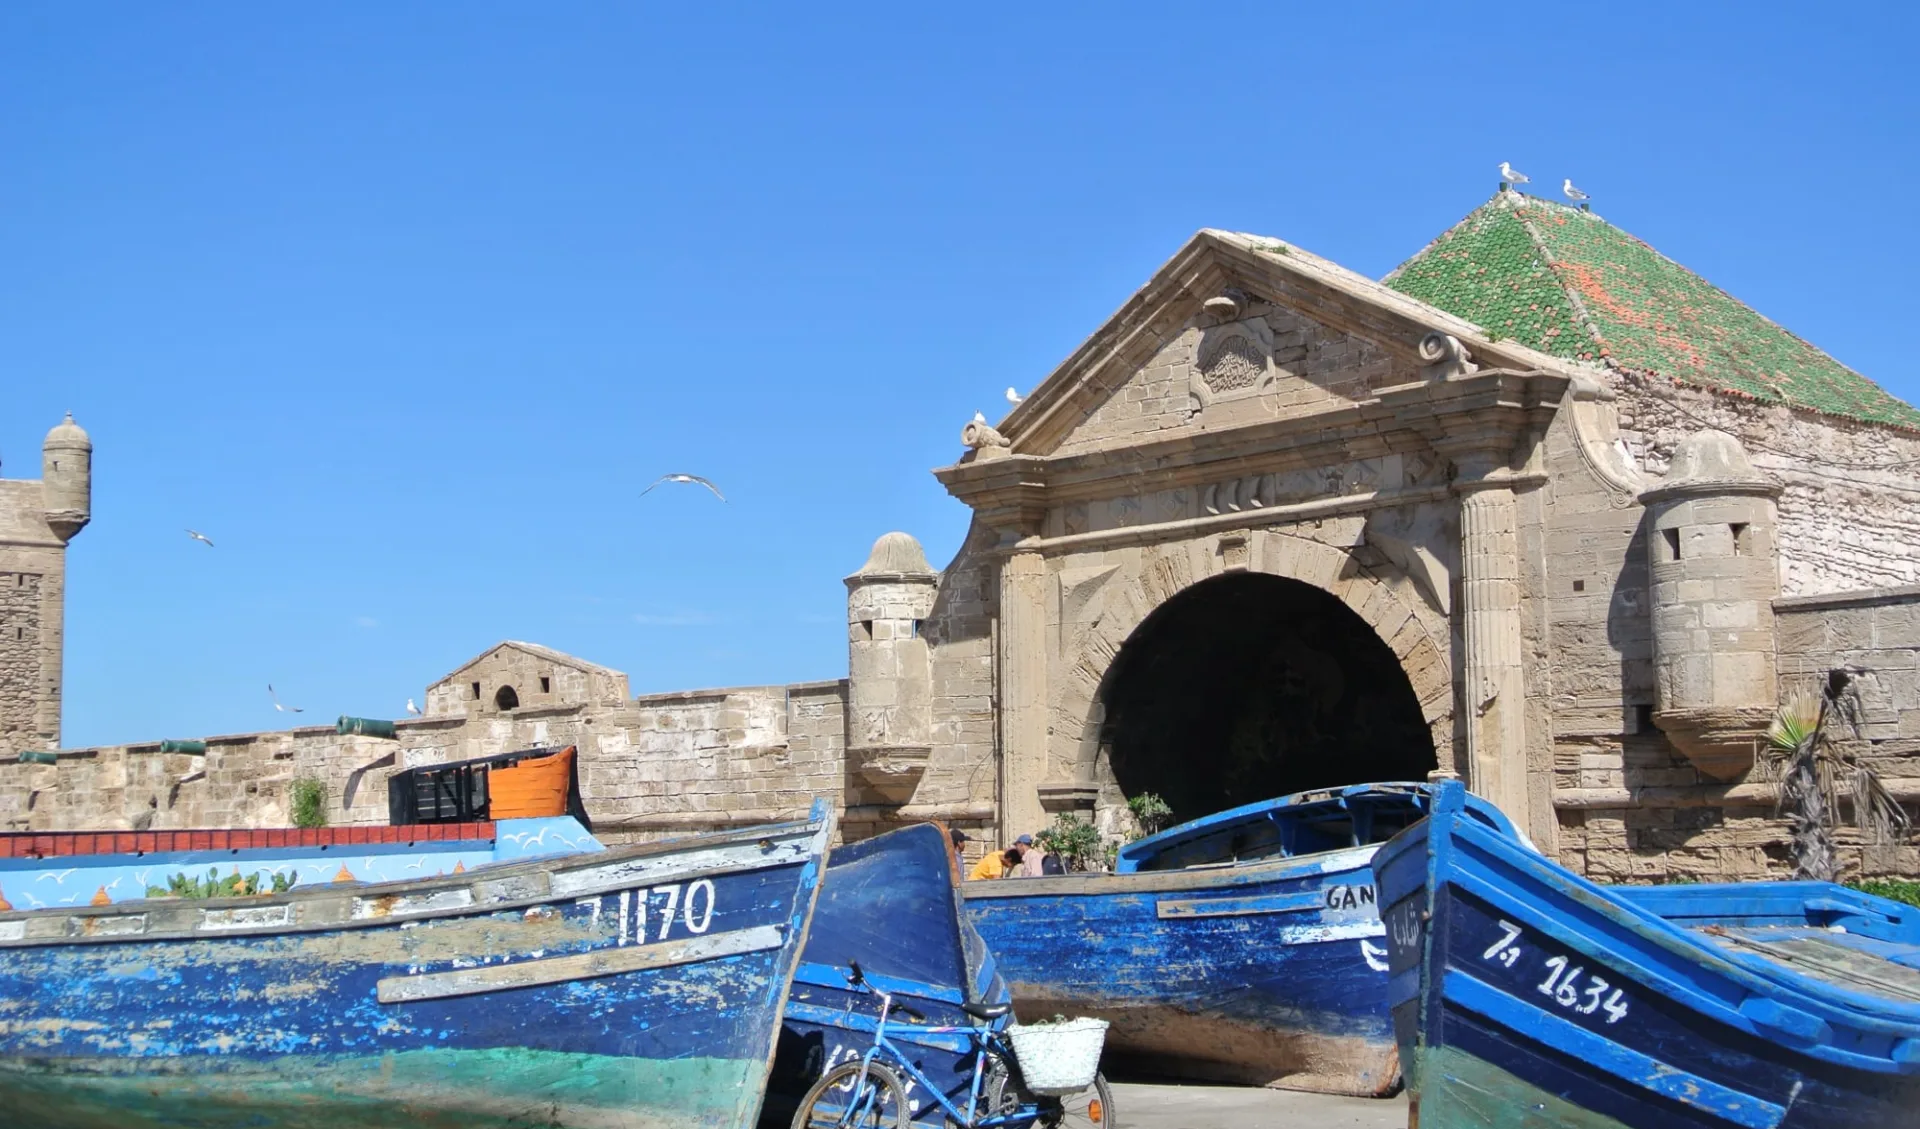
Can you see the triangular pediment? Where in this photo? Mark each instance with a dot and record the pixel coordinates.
(1237, 330)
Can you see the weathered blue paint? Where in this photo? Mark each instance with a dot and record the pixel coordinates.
(1523, 994)
(893, 904)
(638, 987)
(1242, 947)
(79, 880)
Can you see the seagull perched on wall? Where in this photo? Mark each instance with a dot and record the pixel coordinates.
(278, 706)
(1573, 193)
(412, 710)
(1014, 398)
(692, 479)
(199, 536)
(1511, 175)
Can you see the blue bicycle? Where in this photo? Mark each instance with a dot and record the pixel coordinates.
(867, 1093)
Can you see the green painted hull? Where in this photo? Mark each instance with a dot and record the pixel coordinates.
(1480, 1095)
(437, 1089)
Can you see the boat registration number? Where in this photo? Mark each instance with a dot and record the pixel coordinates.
(666, 908)
(1572, 988)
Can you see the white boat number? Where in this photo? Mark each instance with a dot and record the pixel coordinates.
(695, 911)
(1562, 984)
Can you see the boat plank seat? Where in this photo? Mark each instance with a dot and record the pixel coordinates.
(1841, 959)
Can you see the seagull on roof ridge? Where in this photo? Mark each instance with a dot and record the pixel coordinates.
(199, 536)
(1013, 397)
(1511, 175)
(412, 710)
(1573, 193)
(692, 479)
(979, 417)
(278, 706)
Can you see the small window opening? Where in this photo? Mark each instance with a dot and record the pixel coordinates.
(1741, 547)
(505, 699)
(1643, 717)
(863, 631)
(916, 630)
(546, 685)
(1673, 543)
(1579, 586)
(476, 691)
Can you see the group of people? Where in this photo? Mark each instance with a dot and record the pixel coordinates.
(1022, 860)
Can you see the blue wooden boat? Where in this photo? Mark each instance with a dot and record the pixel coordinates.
(893, 904)
(1524, 995)
(1242, 947)
(626, 988)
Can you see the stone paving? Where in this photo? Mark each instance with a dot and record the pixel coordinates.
(1168, 1106)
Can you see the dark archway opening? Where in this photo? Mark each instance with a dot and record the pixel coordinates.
(1248, 686)
(505, 699)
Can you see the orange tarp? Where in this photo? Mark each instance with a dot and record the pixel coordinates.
(531, 788)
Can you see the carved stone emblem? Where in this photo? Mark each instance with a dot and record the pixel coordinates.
(1232, 362)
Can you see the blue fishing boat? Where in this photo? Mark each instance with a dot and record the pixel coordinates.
(1524, 995)
(625, 988)
(891, 903)
(1243, 947)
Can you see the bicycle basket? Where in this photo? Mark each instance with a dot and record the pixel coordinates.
(1057, 1059)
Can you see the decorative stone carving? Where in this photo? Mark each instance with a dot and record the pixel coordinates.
(893, 771)
(1227, 305)
(1444, 357)
(1233, 362)
(979, 437)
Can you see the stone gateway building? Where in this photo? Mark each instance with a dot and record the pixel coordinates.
(1542, 510)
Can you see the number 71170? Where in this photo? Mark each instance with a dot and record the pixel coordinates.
(1563, 985)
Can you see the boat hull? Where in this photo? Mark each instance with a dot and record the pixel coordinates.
(1269, 974)
(626, 989)
(1524, 996)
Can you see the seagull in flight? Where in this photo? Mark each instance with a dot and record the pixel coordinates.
(412, 709)
(278, 706)
(199, 536)
(1573, 193)
(1511, 175)
(693, 479)
(1014, 398)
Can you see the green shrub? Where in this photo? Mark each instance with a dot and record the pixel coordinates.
(307, 797)
(1150, 814)
(1074, 841)
(1895, 889)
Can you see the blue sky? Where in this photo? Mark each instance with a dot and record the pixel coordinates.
(404, 304)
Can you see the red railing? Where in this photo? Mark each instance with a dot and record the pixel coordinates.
(62, 844)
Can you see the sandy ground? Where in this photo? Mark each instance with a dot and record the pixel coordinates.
(1144, 1106)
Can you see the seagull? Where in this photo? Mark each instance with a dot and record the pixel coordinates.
(685, 478)
(1573, 193)
(199, 536)
(278, 706)
(979, 417)
(1014, 397)
(1512, 176)
(412, 709)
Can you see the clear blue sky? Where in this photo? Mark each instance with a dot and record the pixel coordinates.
(404, 304)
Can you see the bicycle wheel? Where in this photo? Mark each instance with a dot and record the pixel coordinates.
(834, 1102)
(1091, 1108)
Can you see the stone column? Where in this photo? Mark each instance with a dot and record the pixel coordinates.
(1495, 699)
(1023, 694)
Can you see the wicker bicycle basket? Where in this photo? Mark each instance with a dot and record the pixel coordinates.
(1057, 1059)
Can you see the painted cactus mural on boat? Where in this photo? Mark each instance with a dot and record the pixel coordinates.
(1242, 947)
(1524, 995)
(893, 904)
(631, 988)
(41, 871)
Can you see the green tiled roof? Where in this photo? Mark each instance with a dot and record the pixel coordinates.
(1569, 283)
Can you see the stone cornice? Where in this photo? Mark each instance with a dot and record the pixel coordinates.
(1476, 420)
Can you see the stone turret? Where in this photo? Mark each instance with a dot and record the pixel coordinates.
(1714, 573)
(889, 668)
(66, 461)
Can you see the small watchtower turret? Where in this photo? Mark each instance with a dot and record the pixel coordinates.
(889, 668)
(1714, 572)
(66, 471)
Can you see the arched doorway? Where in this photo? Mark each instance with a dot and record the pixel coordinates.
(1250, 686)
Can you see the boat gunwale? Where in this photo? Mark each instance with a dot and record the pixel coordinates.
(1614, 928)
(1169, 881)
(479, 881)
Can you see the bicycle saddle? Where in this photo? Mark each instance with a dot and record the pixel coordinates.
(986, 1011)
